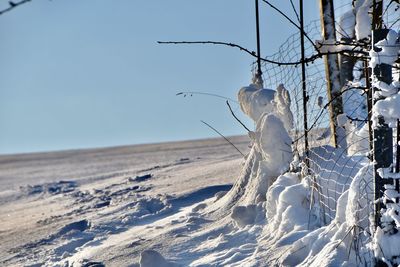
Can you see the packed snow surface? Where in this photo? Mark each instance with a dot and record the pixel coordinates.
(121, 206)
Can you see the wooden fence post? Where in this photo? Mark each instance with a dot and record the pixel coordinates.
(331, 69)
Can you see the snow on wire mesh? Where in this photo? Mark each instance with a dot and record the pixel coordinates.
(332, 169)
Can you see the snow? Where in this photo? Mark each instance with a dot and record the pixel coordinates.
(389, 50)
(387, 95)
(346, 25)
(151, 258)
(244, 215)
(389, 108)
(363, 19)
(180, 209)
(388, 173)
(386, 246)
(199, 203)
(255, 102)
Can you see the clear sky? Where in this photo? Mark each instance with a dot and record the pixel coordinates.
(89, 73)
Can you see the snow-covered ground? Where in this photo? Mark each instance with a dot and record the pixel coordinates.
(109, 205)
(193, 203)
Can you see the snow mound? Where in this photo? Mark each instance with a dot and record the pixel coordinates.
(244, 215)
(50, 188)
(332, 245)
(152, 258)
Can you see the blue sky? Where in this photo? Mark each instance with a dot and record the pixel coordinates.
(78, 74)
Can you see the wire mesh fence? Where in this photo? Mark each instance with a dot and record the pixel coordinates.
(332, 169)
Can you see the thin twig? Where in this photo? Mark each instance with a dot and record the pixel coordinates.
(204, 93)
(295, 11)
(322, 112)
(215, 130)
(13, 5)
(342, 240)
(253, 54)
(291, 21)
(233, 114)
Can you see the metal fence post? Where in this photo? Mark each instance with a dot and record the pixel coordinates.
(304, 85)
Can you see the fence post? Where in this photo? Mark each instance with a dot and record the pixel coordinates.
(346, 64)
(331, 69)
(258, 74)
(382, 139)
(304, 85)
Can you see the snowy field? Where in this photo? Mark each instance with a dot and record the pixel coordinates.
(109, 205)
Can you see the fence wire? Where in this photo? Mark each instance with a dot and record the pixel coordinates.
(332, 169)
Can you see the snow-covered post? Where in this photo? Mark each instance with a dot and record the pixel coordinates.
(346, 36)
(382, 133)
(331, 68)
(383, 54)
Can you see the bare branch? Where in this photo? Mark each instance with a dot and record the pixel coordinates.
(13, 5)
(291, 21)
(215, 130)
(233, 114)
(253, 54)
(295, 11)
(324, 108)
(185, 93)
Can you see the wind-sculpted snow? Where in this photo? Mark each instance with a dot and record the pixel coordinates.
(182, 209)
(184, 212)
(256, 102)
(112, 216)
(49, 188)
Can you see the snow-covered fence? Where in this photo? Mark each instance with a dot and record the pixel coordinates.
(343, 181)
(332, 169)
